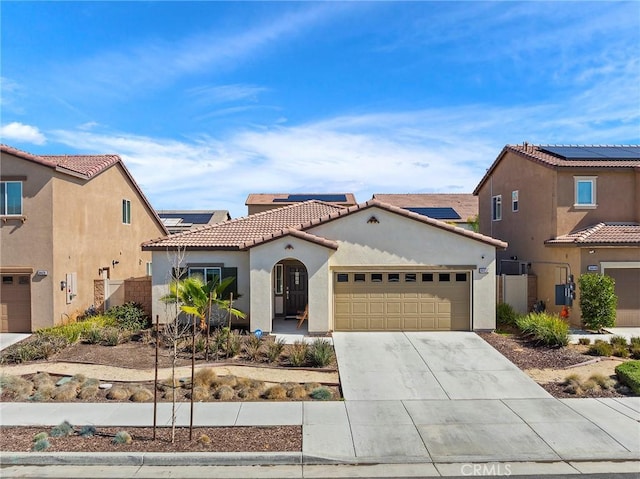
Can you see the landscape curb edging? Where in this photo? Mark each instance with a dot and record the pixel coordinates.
(151, 459)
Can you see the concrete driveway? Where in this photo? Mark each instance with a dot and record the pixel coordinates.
(7, 339)
(427, 365)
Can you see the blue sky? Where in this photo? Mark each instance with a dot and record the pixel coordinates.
(207, 102)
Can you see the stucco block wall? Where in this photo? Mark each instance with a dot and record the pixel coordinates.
(164, 262)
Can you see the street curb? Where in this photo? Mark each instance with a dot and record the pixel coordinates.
(151, 459)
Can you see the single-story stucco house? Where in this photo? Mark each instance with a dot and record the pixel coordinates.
(371, 266)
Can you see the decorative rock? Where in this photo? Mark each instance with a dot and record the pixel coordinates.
(63, 380)
(105, 386)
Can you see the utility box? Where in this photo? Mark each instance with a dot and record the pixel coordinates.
(564, 295)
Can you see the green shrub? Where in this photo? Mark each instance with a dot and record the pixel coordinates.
(320, 353)
(298, 352)
(584, 341)
(634, 341)
(321, 394)
(73, 332)
(40, 436)
(620, 351)
(87, 431)
(505, 315)
(600, 348)
(62, 430)
(274, 349)
(41, 445)
(545, 328)
(122, 437)
(629, 374)
(253, 347)
(618, 341)
(597, 301)
(129, 316)
(634, 349)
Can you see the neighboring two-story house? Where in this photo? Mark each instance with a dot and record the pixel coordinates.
(567, 210)
(66, 224)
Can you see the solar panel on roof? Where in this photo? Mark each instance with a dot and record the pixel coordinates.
(594, 152)
(320, 197)
(197, 218)
(440, 213)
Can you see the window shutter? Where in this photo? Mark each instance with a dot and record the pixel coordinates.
(233, 288)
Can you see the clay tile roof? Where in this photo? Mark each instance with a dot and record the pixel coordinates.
(537, 154)
(86, 165)
(242, 233)
(294, 220)
(602, 234)
(465, 204)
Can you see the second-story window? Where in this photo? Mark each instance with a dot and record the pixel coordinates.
(126, 212)
(585, 191)
(515, 206)
(496, 208)
(10, 198)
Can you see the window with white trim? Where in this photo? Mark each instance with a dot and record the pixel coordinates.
(11, 198)
(206, 273)
(515, 204)
(496, 208)
(126, 212)
(585, 191)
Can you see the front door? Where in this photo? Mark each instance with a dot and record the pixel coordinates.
(296, 293)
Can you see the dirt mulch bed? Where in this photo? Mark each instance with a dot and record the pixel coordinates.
(533, 359)
(220, 439)
(528, 355)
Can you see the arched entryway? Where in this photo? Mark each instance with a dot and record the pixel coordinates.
(290, 294)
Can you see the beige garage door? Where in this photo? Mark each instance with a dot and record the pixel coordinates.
(628, 291)
(15, 303)
(402, 301)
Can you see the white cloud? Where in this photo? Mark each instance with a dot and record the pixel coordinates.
(16, 131)
(226, 93)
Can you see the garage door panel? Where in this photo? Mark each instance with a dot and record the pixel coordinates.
(15, 308)
(627, 287)
(431, 301)
(410, 308)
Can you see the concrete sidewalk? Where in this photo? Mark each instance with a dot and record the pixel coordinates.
(390, 432)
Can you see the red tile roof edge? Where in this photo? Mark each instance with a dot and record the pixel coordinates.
(582, 237)
(291, 232)
(46, 160)
(409, 214)
(150, 243)
(535, 154)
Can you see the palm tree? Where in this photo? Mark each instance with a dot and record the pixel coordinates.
(198, 298)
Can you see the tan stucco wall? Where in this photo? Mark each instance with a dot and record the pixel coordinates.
(74, 226)
(89, 233)
(29, 244)
(534, 222)
(164, 262)
(615, 194)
